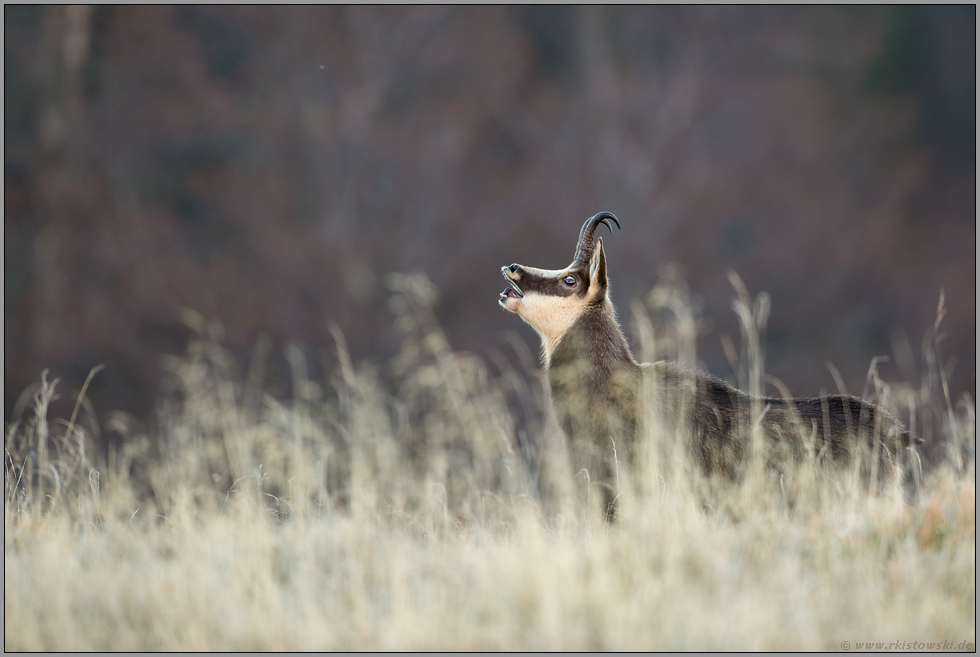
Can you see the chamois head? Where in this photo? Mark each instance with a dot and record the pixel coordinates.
(551, 300)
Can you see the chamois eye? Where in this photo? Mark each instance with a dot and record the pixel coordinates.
(569, 281)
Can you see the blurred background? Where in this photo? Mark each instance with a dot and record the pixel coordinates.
(268, 167)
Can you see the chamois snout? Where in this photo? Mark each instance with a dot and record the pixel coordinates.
(511, 274)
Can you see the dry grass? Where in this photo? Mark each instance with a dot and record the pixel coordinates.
(406, 509)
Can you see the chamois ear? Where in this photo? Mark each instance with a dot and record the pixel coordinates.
(597, 270)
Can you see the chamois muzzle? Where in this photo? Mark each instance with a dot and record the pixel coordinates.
(586, 239)
(510, 274)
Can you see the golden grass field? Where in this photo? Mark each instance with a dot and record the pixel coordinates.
(401, 507)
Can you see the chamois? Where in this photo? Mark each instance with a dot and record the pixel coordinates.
(598, 389)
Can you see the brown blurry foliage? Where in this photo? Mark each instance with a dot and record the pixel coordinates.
(267, 167)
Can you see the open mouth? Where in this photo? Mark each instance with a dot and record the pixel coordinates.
(512, 291)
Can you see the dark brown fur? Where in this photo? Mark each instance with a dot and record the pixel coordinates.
(598, 388)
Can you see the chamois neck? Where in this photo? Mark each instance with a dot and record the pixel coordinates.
(596, 336)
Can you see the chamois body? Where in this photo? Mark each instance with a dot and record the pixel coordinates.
(601, 395)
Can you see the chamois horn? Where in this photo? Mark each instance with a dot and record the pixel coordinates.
(586, 239)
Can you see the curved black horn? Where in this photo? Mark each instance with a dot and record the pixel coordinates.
(586, 239)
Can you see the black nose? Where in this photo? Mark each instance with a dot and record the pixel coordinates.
(514, 268)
